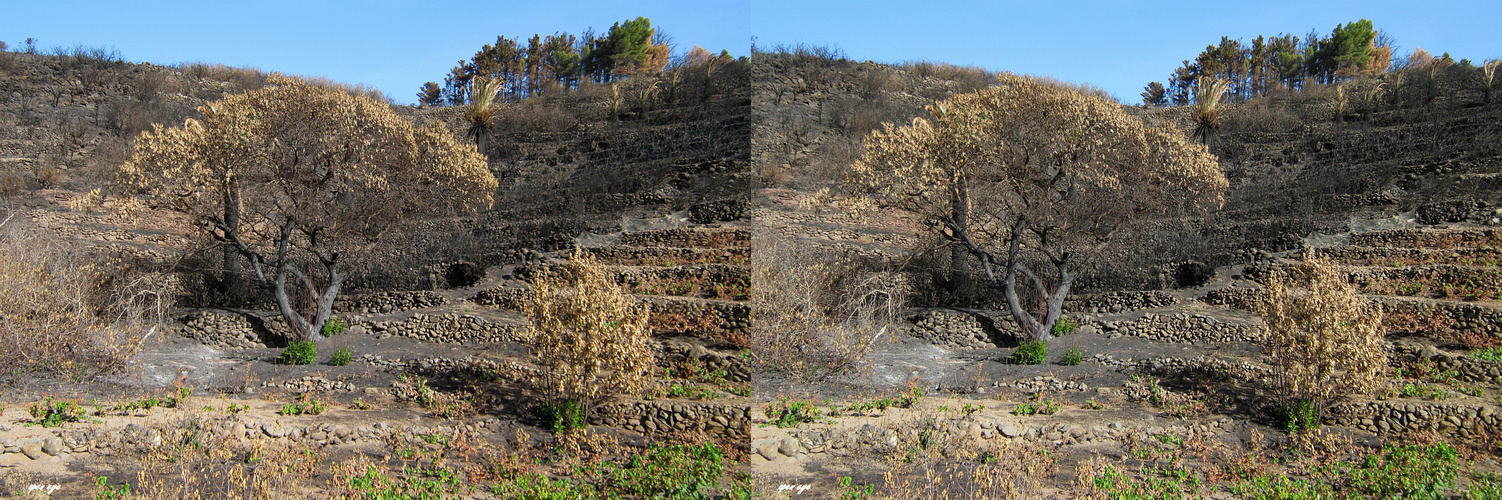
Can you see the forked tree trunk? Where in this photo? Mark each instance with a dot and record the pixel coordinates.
(301, 328)
(1053, 300)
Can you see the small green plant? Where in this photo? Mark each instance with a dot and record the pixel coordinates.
(1042, 407)
(1488, 354)
(107, 492)
(1484, 486)
(970, 408)
(1030, 352)
(673, 471)
(1411, 471)
(301, 352)
(341, 357)
(790, 413)
(1093, 404)
(306, 405)
(359, 404)
(55, 413)
(420, 482)
(438, 439)
(333, 326)
(236, 408)
(1072, 357)
(564, 415)
(851, 491)
(906, 399)
(1298, 415)
(1064, 326)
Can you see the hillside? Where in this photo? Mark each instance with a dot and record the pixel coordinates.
(801, 336)
(1169, 375)
(436, 341)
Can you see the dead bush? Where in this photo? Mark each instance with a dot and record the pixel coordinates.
(195, 462)
(1324, 338)
(1260, 116)
(817, 312)
(934, 465)
(589, 336)
(67, 313)
(151, 85)
(242, 79)
(49, 176)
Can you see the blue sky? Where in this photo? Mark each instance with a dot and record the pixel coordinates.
(396, 45)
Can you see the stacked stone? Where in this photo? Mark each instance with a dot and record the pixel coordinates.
(221, 329)
(955, 330)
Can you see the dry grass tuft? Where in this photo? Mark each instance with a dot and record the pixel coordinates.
(68, 313)
(815, 312)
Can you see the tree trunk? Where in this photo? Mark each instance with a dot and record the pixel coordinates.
(960, 283)
(1032, 328)
(230, 268)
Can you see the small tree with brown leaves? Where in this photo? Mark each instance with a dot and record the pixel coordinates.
(304, 179)
(1324, 338)
(589, 337)
(1029, 175)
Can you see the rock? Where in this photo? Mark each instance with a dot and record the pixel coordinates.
(33, 449)
(1008, 429)
(788, 446)
(767, 450)
(53, 446)
(1429, 352)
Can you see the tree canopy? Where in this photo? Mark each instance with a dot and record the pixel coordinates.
(302, 179)
(559, 61)
(1027, 174)
(1284, 61)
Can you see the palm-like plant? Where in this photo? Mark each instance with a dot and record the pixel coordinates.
(481, 112)
(1489, 76)
(1206, 110)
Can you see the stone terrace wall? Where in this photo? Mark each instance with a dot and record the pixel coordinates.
(1414, 238)
(726, 422)
(681, 237)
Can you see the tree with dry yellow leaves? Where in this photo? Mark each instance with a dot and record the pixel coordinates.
(1325, 338)
(1034, 180)
(302, 179)
(590, 337)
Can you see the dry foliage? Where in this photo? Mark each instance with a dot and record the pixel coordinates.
(590, 337)
(190, 464)
(817, 313)
(1325, 338)
(68, 313)
(302, 179)
(932, 464)
(1032, 176)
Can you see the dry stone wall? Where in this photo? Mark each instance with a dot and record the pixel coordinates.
(451, 328)
(1465, 419)
(631, 255)
(1420, 238)
(1116, 302)
(388, 302)
(686, 237)
(1184, 327)
(954, 329)
(224, 329)
(726, 422)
